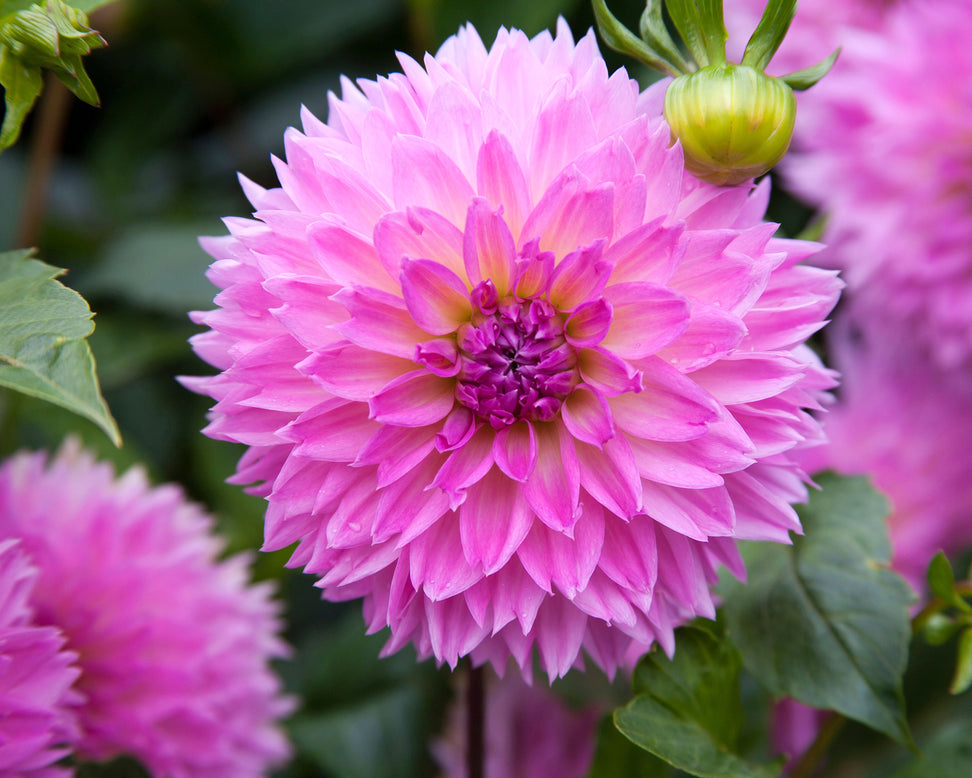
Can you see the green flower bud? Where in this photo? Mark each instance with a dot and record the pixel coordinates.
(734, 122)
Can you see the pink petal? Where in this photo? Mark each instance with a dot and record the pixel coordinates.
(414, 400)
(630, 556)
(452, 630)
(309, 311)
(672, 464)
(533, 270)
(588, 324)
(515, 596)
(488, 248)
(747, 378)
(493, 521)
(560, 630)
(420, 234)
(609, 374)
(437, 564)
(696, 513)
(454, 123)
(648, 254)
(458, 427)
(424, 176)
(580, 276)
(553, 488)
(551, 147)
(550, 557)
(515, 450)
(611, 477)
(334, 431)
(571, 215)
(437, 298)
(647, 317)
(712, 333)
(396, 451)
(347, 257)
(670, 406)
(353, 372)
(440, 356)
(501, 181)
(587, 417)
(466, 466)
(379, 321)
(407, 508)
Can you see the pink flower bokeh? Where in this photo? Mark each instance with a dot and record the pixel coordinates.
(173, 645)
(37, 724)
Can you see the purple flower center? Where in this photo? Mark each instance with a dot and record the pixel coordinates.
(516, 363)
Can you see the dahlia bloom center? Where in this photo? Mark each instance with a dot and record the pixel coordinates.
(516, 361)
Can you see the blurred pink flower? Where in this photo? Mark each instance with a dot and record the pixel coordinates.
(37, 724)
(885, 150)
(819, 27)
(504, 369)
(907, 423)
(173, 645)
(529, 733)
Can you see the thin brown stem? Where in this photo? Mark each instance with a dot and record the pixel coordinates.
(808, 764)
(45, 146)
(475, 723)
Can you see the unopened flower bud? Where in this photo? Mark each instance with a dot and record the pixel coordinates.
(734, 122)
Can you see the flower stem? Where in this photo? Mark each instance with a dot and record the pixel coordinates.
(810, 761)
(475, 723)
(51, 121)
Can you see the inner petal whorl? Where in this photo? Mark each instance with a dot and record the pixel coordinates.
(516, 362)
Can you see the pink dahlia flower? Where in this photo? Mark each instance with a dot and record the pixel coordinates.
(36, 719)
(173, 645)
(885, 152)
(529, 733)
(504, 369)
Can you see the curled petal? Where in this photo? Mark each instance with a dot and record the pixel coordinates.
(515, 450)
(436, 297)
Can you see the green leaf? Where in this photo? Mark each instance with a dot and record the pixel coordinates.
(622, 40)
(947, 754)
(826, 620)
(655, 34)
(688, 21)
(687, 709)
(618, 757)
(22, 84)
(800, 80)
(43, 351)
(941, 581)
(963, 667)
(769, 33)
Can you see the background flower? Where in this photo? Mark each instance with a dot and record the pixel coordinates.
(503, 369)
(173, 645)
(884, 152)
(529, 733)
(37, 722)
